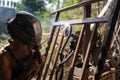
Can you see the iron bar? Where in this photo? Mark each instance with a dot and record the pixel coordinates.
(103, 19)
(51, 53)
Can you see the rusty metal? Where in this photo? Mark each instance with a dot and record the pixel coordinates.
(56, 57)
(88, 51)
(67, 34)
(71, 70)
(48, 46)
(84, 71)
(87, 20)
(59, 51)
(102, 19)
(51, 35)
(51, 54)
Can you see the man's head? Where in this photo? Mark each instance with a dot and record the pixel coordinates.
(26, 28)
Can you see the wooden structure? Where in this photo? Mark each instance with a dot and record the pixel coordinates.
(109, 75)
(54, 69)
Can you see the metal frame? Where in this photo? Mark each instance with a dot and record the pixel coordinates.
(89, 38)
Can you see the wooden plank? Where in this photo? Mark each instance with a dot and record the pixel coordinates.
(107, 39)
(116, 32)
(83, 3)
(83, 21)
(109, 75)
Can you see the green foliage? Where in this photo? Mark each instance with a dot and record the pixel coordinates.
(69, 15)
(20, 6)
(32, 6)
(70, 2)
(52, 1)
(76, 13)
(3, 42)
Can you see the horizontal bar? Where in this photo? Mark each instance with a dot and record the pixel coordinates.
(83, 21)
(86, 2)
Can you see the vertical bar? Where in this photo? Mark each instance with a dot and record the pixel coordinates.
(79, 42)
(51, 35)
(56, 57)
(86, 60)
(51, 53)
(48, 46)
(87, 33)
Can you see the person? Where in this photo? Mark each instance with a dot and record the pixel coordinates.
(21, 58)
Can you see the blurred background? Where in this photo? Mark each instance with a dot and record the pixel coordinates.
(40, 8)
